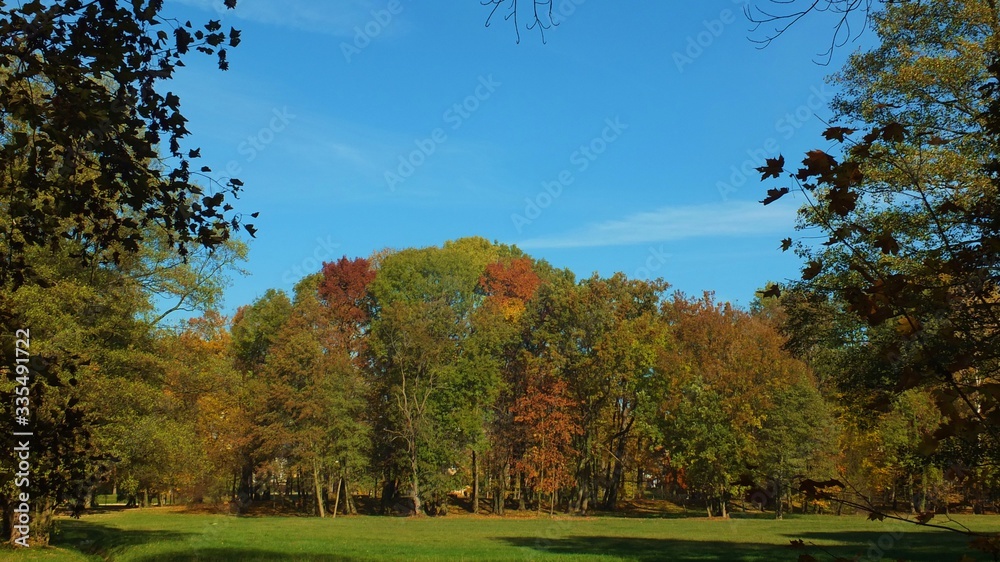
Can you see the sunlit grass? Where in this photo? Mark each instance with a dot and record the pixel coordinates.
(168, 534)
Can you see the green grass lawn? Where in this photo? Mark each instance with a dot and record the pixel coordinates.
(161, 535)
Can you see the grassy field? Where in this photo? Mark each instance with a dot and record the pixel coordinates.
(168, 534)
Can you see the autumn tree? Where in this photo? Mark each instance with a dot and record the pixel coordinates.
(908, 208)
(547, 418)
(254, 330)
(314, 402)
(718, 391)
(203, 389)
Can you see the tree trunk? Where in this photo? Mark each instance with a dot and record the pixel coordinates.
(318, 485)
(336, 498)
(894, 501)
(475, 482)
(39, 528)
(520, 492)
(923, 492)
(350, 507)
(246, 483)
(779, 501)
(500, 490)
(301, 503)
(617, 473)
(414, 483)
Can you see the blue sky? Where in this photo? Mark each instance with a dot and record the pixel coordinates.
(617, 145)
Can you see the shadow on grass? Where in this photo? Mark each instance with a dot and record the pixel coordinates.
(647, 549)
(239, 555)
(107, 541)
(911, 546)
(93, 538)
(900, 541)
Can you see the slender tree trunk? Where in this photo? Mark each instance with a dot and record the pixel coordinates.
(300, 489)
(923, 496)
(318, 485)
(475, 482)
(520, 491)
(779, 503)
(414, 483)
(336, 500)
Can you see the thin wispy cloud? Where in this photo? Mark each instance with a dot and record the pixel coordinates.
(675, 223)
(331, 17)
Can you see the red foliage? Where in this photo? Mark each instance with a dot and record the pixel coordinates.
(545, 414)
(509, 285)
(344, 288)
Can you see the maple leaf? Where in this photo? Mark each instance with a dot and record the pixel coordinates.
(842, 201)
(812, 270)
(772, 291)
(786, 244)
(773, 167)
(774, 194)
(887, 244)
(817, 163)
(894, 132)
(923, 518)
(876, 516)
(837, 133)
(797, 543)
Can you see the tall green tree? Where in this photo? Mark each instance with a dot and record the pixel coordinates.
(424, 302)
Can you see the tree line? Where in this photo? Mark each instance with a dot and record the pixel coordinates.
(395, 381)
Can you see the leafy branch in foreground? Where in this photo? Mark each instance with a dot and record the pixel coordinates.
(84, 123)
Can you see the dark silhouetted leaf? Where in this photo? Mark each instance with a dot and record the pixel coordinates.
(774, 194)
(773, 167)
